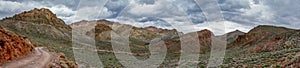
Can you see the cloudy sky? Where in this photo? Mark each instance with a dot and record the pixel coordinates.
(237, 14)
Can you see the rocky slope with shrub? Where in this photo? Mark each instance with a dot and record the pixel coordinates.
(13, 46)
(43, 28)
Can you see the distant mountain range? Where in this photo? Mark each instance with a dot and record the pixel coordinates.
(43, 28)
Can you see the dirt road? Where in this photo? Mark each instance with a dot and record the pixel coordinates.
(38, 59)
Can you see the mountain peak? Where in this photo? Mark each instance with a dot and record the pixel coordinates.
(236, 31)
(37, 13)
(270, 29)
(37, 16)
(206, 32)
(45, 10)
(152, 28)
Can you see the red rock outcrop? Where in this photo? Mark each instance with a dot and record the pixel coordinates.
(13, 46)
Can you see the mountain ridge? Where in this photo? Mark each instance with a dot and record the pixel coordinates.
(45, 29)
(37, 21)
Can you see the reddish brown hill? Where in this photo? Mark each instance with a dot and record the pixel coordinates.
(264, 38)
(13, 46)
(205, 39)
(143, 34)
(270, 29)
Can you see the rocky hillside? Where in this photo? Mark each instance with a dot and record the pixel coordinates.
(144, 34)
(265, 38)
(140, 37)
(39, 24)
(43, 28)
(262, 39)
(13, 46)
(231, 36)
(255, 40)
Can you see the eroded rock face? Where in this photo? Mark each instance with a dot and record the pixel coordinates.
(13, 46)
(62, 62)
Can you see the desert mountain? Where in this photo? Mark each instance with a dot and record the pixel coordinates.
(270, 29)
(38, 24)
(265, 38)
(43, 28)
(139, 37)
(13, 46)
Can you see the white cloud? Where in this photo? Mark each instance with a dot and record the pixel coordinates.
(9, 8)
(62, 10)
(163, 9)
(222, 27)
(259, 12)
(234, 4)
(177, 17)
(90, 13)
(286, 12)
(268, 12)
(144, 9)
